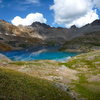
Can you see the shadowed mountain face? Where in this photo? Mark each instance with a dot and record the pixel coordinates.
(39, 34)
(96, 22)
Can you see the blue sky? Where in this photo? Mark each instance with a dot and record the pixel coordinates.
(14, 8)
(55, 12)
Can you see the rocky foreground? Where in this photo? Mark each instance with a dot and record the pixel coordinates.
(76, 79)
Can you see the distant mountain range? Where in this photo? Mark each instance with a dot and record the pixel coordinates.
(39, 34)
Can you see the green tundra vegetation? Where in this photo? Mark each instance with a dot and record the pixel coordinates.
(18, 86)
(78, 78)
(88, 67)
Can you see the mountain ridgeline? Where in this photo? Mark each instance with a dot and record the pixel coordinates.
(39, 34)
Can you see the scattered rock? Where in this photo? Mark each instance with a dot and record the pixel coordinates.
(68, 73)
(62, 87)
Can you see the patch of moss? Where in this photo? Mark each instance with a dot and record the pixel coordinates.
(86, 92)
(83, 87)
(21, 63)
(86, 59)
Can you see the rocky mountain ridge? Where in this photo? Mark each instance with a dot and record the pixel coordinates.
(19, 37)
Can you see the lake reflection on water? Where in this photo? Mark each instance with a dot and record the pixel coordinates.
(41, 54)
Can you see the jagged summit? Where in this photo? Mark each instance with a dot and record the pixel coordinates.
(73, 27)
(37, 24)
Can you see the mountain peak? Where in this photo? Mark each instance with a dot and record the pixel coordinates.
(73, 27)
(37, 24)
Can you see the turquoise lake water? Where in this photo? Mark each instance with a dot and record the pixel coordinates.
(39, 55)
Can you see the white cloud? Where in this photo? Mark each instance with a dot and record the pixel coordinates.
(86, 19)
(97, 3)
(69, 12)
(30, 18)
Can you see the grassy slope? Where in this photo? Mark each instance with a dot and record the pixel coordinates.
(18, 86)
(81, 73)
(88, 67)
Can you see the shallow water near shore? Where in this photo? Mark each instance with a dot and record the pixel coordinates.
(42, 54)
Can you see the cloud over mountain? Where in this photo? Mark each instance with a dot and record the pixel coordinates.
(30, 18)
(86, 19)
(78, 12)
